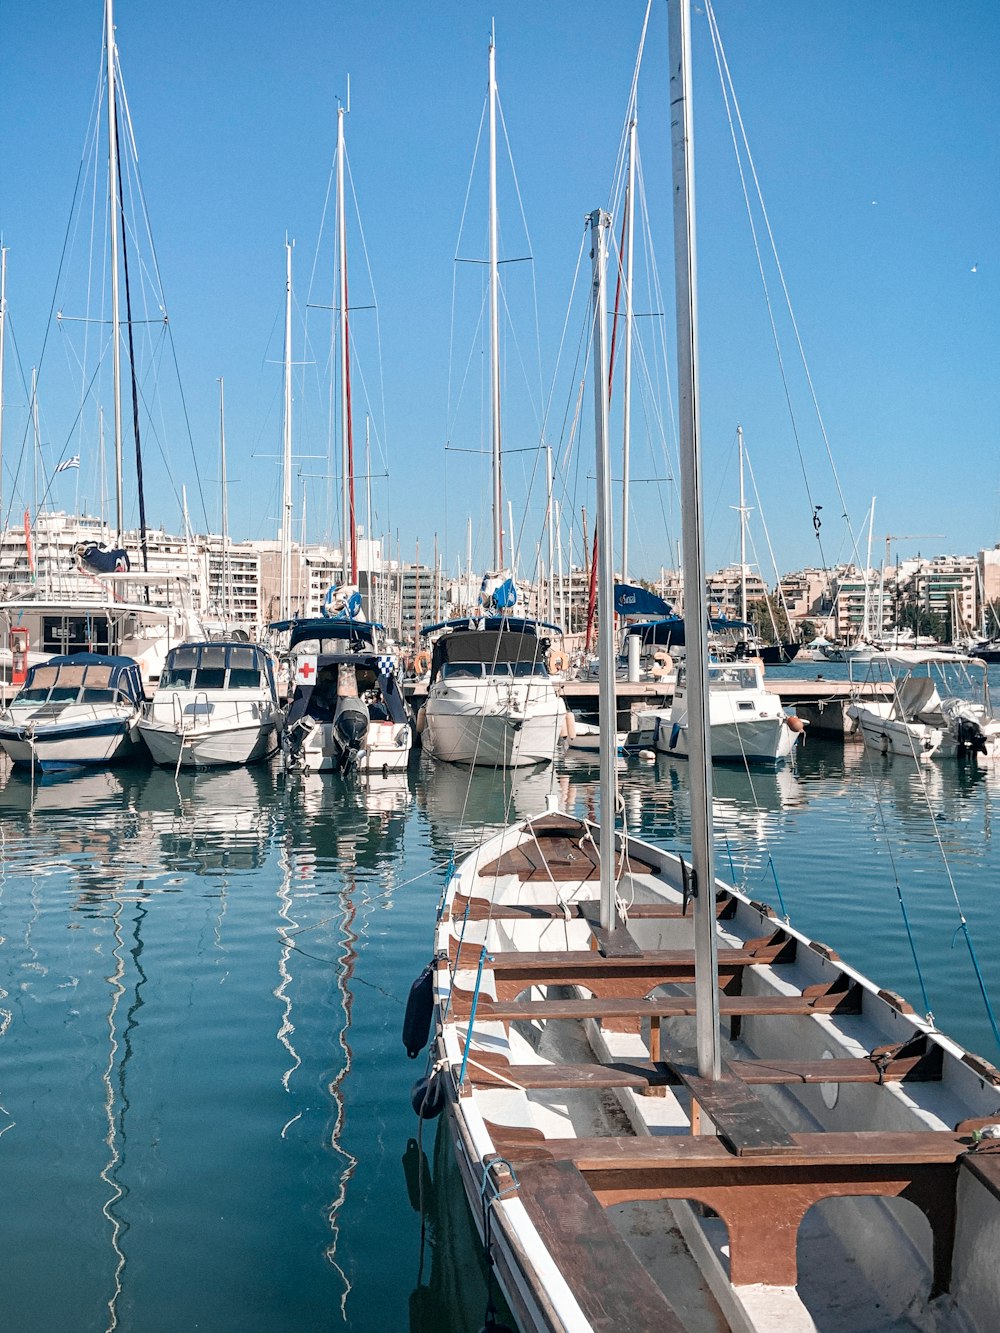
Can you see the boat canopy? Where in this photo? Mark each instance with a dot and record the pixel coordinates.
(635, 601)
(670, 630)
(905, 659)
(489, 652)
(319, 629)
(493, 624)
(84, 678)
(218, 665)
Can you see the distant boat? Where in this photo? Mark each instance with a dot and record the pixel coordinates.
(916, 721)
(216, 705)
(346, 711)
(748, 723)
(78, 710)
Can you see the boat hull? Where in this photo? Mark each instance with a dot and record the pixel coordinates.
(480, 727)
(73, 744)
(386, 749)
(763, 741)
(888, 735)
(219, 747)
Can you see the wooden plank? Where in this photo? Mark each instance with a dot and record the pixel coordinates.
(611, 1286)
(642, 1074)
(742, 1121)
(659, 1152)
(482, 909)
(560, 966)
(664, 1006)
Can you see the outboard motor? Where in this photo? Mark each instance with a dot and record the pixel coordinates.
(970, 739)
(350, 720)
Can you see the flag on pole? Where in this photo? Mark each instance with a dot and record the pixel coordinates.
(67, 463)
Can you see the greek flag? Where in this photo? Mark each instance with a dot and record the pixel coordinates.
(67, 463)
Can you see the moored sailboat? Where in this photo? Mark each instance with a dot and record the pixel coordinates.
(822, 1157)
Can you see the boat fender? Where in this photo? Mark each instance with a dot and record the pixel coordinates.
(568, 725)
(648, 756)
(794, 723)
(427, 1096)
(557, 662)
(421, 719)
(419, 1009)
(675, 731)
(422, 662)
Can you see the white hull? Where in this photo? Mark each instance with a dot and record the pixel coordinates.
(386, 749)
(858, 1263)
(888, 735)
(494, 726)
(209, 747)
(74, 744)
(763, 741)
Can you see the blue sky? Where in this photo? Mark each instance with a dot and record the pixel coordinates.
(874, 133)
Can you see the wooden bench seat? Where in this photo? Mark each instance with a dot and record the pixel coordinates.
(763, 1197)
(822, 1000)
(482, 909)
(619, 974)
(611, 1286)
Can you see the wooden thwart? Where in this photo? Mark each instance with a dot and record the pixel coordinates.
(482, 909)
(763, 1197)
(662, 1006)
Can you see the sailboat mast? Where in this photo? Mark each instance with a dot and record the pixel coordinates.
(743, 538)
(551, 535)
(116, 354)
(495, 322)
(629, 320)
(226, 590)
(695, 600)
(285, 609)
(599, 224)
(346, 506)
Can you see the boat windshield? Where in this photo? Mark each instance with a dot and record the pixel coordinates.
(213, 666)
(732, 678)
(481, 670)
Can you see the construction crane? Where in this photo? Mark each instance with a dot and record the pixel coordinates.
(907, 537)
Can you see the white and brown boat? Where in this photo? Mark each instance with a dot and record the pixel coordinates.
(647, 1075)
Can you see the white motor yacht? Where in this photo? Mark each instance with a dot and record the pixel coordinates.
(491, 700)
(77, 710)
(216, 705)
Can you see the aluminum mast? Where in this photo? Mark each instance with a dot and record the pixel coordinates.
(695, 600)
(495, 322)
(116, 355)
(599, 224)
(285, 606)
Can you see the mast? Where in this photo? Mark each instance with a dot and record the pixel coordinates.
(495, 322)
(551, 535)
(629, 320)
(743, 539)
(349, 539)
(867, 614)
(116, 355)
(226, 589)
(695, 601)
(3, 331)
(285, 603)
(599, 223)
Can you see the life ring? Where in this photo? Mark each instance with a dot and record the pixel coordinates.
(557, 661)
(663, 665)
(422, 662)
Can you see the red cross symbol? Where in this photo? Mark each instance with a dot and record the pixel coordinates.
(306, 670)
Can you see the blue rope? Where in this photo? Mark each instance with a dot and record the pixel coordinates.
(461, 941)
(774, 876)
(732, 868)
(472, 1016)
(979, 977)
(913, 950)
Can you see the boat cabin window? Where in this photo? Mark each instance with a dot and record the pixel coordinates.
(727, 677)
(468, 670)
(244, 668)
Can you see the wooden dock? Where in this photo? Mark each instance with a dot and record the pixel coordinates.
(821, 703)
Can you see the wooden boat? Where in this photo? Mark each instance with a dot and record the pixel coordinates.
(628, 1051)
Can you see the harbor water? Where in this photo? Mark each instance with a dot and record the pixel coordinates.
(204, 1099)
